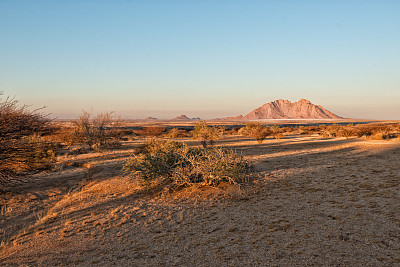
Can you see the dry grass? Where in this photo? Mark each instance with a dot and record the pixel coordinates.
(92, 194)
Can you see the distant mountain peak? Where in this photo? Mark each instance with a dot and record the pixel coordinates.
(184, 118)
(284, 109)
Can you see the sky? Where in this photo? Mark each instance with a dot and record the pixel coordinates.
(203, 58)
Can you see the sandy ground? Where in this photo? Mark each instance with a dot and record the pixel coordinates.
(331, 202)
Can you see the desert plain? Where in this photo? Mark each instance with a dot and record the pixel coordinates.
(316, 201)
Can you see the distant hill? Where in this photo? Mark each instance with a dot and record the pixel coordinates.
(184, 118)
(150, 119)
(284, 109)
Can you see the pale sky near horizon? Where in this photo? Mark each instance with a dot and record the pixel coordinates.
(204, 59)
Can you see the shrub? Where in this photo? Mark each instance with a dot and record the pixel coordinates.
(16, 121)
(308, 130)
(232, 131)
(205, 133)
(176, 165)
(28, 153)
(330, 131)
(256, 130)
(99, 133)
(22, 147)
(277, 132)
(347, 131)
(279, 136)
(378, 136)
(288, 129)
(176, 133)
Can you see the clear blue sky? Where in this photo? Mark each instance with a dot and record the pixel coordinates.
(201, 58)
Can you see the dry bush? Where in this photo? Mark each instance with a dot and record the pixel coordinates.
(312, 128)
(308, 130)
(98, 133)
(275, 129)
(347, 131)
(377, 132)
(233, 131)
(176, 133)
(16, 121)
(26, 154)
(364, 131)
(279, 136)
(303, 130)
(256, 130)
(378, 136)
(22, 147)
(330, 131)
(205, 133)
(152, 131)
(277, 132)
(288, 129)
(175, 165)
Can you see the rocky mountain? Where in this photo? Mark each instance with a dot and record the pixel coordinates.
(184, 118)
(284, 109)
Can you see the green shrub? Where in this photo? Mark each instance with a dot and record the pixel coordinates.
(175, 165)
(205, 133)
(256, 130)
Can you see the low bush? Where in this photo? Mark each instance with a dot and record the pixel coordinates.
(330, 131)
(98, 133)
(176, 133)
(204, 133)
(288, 129)
(308, 130)
(232, 131)
(22, 145)
(277, 132)
(175, 165)
(279, 136)
(347, 131)
(28, 153)
(256, 130)
(378, 136)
